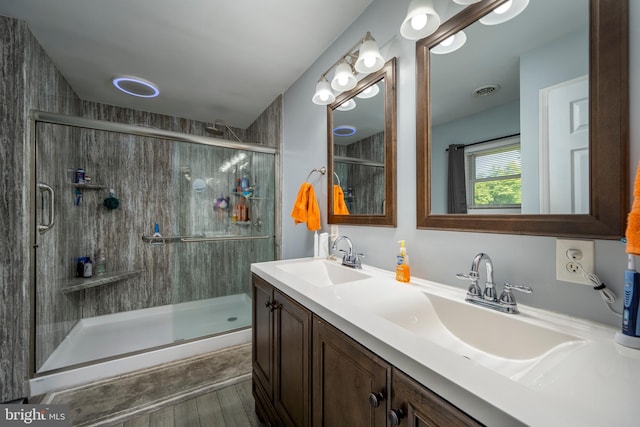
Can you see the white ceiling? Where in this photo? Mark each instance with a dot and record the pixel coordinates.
(211, 59)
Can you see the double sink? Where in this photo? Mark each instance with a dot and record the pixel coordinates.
(512, 345)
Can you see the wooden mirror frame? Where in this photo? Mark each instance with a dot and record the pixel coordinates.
(608, 134)
(388, 218)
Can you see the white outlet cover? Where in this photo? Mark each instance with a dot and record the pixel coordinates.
(587, 247)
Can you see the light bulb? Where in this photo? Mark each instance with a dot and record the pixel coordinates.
(343, 79)
(418, 22)
(324, 96)
(447, 42)
(367, 91)
(503, 8)
(369, 61)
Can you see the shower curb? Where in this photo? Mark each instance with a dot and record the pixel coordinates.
(232, 365)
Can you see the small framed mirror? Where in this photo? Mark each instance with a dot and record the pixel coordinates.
(361, 142)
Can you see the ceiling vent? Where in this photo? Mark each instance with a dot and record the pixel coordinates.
(485, 90)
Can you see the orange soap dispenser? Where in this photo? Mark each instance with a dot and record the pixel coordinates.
(403, 272)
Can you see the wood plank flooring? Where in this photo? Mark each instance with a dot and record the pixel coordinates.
(231, 406)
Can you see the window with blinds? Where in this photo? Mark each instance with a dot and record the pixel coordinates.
(493, 175)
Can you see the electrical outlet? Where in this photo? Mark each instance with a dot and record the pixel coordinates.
(572, 258)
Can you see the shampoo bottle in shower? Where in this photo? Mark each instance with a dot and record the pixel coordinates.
(403, 272)
(88, 268)
(101, 263)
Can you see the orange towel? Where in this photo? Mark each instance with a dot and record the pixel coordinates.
(305, 208)
(339, 207)
(633, 222)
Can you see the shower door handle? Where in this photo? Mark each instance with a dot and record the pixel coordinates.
(43, 228)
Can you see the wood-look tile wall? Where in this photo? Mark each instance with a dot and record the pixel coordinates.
(366, 182)
(31, 81)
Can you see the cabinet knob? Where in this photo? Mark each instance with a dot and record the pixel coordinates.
(268, 304)
(375, 399)
(394, 416)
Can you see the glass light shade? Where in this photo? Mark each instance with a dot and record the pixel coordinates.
(348, 105)
(421, 20)
(505, 12)
(369, 59)
(466, 2)
(369, 92)
(323, 95)
(450, 44)
(343, 79)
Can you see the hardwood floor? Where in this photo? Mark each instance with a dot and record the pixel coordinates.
(231, 406)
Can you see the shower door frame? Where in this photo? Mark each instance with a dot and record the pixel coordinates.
(38, 116)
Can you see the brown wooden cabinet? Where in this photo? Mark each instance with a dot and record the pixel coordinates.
(281, 357)
(349, 382)
(308, 373)
(414, 405)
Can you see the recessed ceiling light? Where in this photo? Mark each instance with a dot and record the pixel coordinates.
(344, 131)
(136, 86)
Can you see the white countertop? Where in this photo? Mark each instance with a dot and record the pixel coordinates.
(592, 383)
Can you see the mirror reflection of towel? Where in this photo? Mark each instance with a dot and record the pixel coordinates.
(339, 207)
(305, 208)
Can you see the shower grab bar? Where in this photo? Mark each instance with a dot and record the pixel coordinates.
(43, 228)
(195, 238)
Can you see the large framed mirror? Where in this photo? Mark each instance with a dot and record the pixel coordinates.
(361, 141)
(524, 129)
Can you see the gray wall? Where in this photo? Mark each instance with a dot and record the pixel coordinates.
(438, 255)
(31, 81)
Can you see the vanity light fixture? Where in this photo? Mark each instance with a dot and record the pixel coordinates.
(421, 20)
(323, 95)
(135, 86)
(450, 44)
(364, 57)
(343, 79)
(505, 12)
(348, 105)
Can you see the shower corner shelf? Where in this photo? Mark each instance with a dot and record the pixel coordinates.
(79, 283)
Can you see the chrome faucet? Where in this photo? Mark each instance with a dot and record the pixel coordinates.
(349, 259)
(506, 303)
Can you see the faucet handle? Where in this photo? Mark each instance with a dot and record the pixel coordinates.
(506, 297)
(474, 290)
(521, 288)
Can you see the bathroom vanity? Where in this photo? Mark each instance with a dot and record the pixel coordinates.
(304, 369)
(339, 346)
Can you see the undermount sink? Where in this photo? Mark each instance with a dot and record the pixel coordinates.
(323, 273)
(506, 343)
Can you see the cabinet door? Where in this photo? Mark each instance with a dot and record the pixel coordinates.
(262, 351)
(345, 375)
(413, 405)
(292, 334)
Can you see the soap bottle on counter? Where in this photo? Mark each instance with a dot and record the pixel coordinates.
(403, 272)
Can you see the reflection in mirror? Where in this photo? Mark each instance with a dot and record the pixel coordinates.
(511, 79)
(361, 146)
(358, 151)
(547, 121)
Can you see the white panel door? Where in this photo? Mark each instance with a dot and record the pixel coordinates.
(565, 147)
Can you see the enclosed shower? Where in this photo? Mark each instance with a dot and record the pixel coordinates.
(143, 240)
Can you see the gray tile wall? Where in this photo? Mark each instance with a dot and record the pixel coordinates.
(30, 81)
